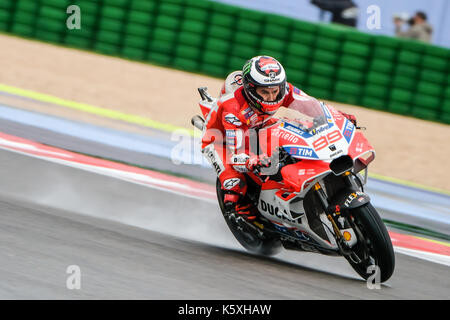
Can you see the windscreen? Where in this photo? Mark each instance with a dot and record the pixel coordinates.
(308, 115)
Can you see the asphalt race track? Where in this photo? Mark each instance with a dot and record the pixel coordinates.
(134, 242)
(401, 213)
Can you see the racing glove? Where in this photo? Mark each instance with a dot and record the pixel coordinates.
(244, 163)
(350, 117)
(256, 161)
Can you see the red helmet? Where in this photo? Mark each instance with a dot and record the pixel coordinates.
(264, 71)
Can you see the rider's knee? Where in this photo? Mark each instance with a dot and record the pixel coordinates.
(233, 183)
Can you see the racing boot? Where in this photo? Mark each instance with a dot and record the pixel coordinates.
(244, 215)
(244, 210)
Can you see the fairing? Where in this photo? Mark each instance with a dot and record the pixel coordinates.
(316, 135)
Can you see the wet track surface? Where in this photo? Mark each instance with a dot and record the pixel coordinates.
(134, 242)
(204, 174)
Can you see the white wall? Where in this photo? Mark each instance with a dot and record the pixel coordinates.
(438, 12)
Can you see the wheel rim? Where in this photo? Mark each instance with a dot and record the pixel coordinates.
(365, 252)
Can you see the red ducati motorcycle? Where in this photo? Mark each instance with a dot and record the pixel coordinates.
(312, 196)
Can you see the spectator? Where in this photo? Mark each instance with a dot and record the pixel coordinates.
(343, 11)
(419, 28)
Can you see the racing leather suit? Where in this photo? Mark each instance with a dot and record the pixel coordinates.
(225, 141)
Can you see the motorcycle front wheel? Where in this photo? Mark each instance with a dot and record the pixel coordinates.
(268, 246)
(374, 247)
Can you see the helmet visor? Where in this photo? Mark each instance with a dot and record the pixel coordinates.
(269, 93)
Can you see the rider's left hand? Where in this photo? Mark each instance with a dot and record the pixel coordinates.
(258, 161)
(350, 117)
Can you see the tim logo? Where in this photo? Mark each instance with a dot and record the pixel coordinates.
(301, 152)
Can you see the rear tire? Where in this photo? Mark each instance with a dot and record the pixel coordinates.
(376, 246)
(268, 246)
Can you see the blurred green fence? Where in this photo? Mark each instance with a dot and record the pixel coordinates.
(327, 61)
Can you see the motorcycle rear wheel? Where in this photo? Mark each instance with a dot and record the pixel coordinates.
(376, 246)
(268, 246)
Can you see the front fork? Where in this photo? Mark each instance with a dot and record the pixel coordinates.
(335, 217)
(331, 216)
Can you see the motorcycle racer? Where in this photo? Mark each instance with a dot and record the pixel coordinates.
(248, 99)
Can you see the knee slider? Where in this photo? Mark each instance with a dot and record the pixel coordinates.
(235, 185)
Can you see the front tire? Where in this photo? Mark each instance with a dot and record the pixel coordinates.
(374, 245)
(268, 246)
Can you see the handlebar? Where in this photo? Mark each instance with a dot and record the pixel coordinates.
(280, 157)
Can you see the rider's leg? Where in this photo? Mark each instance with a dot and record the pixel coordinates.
(235, 188)
(233, 182)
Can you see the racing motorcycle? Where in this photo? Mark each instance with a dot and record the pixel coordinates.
(312, 198)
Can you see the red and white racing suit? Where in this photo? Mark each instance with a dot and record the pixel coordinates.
(225, 142)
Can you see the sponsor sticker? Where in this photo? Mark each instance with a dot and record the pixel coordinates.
(348, 130)
(304, 152)
(213, 158)
(240, 158)
(353, 196)
(231, 183)
(253, 120)
(359, 147)
(334, 154)
(232, 119)
(321, 129)
(302, 172)
(294, 129)
(285, 135)
(230, 133)
(237, 79)
(273, 210)
(268, 65)
(247, 113)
